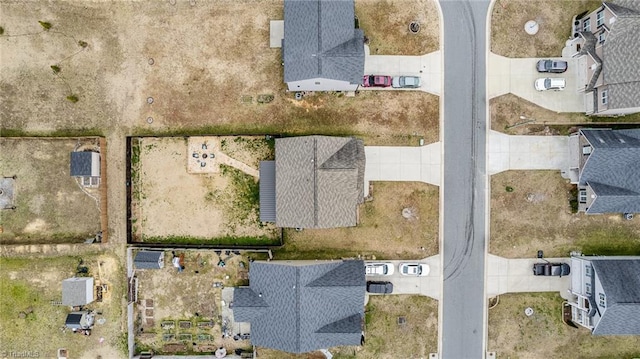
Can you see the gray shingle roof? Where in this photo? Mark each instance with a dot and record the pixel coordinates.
(620, 280)
(80, 163)
(267, 191)
(148, 259)
(621, 65)
(320, 41)
(319, 181)
(613, 170)
(75, 291)
(308, 307)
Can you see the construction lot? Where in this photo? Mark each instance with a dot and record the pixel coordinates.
(32, 319)
(181, 311)
(536, 215)
(209, 184)
(512, 334)
(49, 206)
(382, 233)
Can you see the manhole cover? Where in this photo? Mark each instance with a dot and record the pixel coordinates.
(528, 312)
(531, 27)
(149, 120)
(149, 100)
(414, 27)
(151, 62)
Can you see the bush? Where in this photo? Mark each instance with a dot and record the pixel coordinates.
(45, 25)
(73, 98)
(55, 68)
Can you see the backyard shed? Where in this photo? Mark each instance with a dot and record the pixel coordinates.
(85, 164)
(77, 291)
(79, 320)
(149, 260)
(267, 191)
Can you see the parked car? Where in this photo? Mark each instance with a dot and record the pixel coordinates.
(557, 67)
(405, 82)
(550, 84)
(380, 287)
(414, 269)
(378, 269)
(551, 269)
(376, 81)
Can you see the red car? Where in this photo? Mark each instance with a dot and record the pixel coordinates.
(376, 81)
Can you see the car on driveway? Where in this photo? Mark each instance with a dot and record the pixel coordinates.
(376, 81)
(557, 67)
(551, 269)
(414, 269)
(380, 287)
(405, 82)
(548, 83)
(378, 269)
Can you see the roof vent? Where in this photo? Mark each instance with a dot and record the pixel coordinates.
(600, 139)
(622, 140)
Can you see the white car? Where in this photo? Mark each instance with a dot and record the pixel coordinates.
(414, 269)
(378, 269)
(550, 84)
(405, 82)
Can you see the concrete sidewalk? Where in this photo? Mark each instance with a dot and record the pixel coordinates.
(428, 67)
(516, 76)
(507, 152)
(516, 276)
(397, 163)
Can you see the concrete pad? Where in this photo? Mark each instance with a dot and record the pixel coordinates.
(516, 276)
(527, 152)
(428, 285)
(276, 33)
(516, 76)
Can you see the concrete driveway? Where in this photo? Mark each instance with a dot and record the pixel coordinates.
(516, 276)
(507, 152)
(398, 163)
(428, 67)
(516, 76)
(428, 285)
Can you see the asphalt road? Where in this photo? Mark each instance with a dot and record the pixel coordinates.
(463, 330)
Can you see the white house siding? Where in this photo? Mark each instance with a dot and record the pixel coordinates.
(618, 111)
(321, 84)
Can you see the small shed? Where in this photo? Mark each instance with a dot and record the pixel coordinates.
(149, 260)
(79, 320)
(77, 291)
(85, 164)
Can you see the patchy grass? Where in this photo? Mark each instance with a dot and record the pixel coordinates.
(227, 240)
(508, 37)
(537, 215)
(23, 291)
(386, 24)
(544, 335)
(382, 231)
(507, 109)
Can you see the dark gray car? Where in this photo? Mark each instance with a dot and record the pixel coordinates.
(380, 287)
(554, 66)
(551, 269)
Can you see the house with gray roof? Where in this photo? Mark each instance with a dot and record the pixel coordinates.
(605, 294)
(317, 182)
(86, 166)
(77, 291)
(149, 260)
(606, 43)
(300, 307)
(605, 165)
(322, 50)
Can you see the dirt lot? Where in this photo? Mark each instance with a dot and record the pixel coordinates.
(537, 215)
(543, 335)
(188, 296)
(51, 207)
(202, 205)
(508, 37)
(386, 24)
(384, 337)
(28, 285)
(382, 231)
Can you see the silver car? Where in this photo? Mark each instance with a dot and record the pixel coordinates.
(405, 82)
(554, 66)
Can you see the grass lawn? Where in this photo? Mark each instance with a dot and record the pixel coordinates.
(544, 335)
(537, 215)
(508, 37)
(384, 337)
(382, 231)
(28, 285)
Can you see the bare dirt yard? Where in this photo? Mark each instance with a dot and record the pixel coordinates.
(382, 232)
(508, 37)
(537, 215)
(543, 335)
(397, 326)
(220, 202)
(50, 205)
(181, 311)
(31, 321)
(386, 24)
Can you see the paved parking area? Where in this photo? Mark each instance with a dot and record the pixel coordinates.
(428, 285)
(516, 276)
(506, 152)
(516, 76)
(428, 67)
